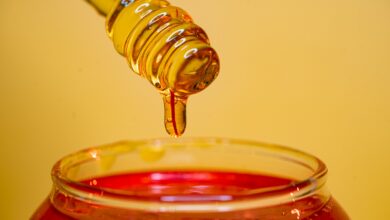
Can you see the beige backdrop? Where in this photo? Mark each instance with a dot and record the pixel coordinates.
(310, 74)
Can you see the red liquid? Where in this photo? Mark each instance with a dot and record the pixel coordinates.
(178, 187)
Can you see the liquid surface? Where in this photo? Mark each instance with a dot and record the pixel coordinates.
(195, 186)
(163, 45)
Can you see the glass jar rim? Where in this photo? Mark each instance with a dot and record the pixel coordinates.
(312, 184)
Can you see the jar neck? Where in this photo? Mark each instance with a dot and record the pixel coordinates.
(76, 198)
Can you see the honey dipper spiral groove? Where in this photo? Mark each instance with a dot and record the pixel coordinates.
(162, 44)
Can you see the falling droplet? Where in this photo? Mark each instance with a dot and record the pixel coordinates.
(174, 113)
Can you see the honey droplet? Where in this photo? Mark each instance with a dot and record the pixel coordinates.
(174, 113)
(152, 153)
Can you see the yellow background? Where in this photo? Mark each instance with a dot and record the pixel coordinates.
(314, 75)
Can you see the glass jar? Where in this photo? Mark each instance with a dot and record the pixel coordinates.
(190, 179)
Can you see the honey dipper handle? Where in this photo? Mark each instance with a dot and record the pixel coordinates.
(103, 6)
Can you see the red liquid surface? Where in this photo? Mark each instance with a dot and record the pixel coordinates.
(198, 187)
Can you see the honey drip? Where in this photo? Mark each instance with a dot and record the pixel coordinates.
(162, 44)
(174, 114)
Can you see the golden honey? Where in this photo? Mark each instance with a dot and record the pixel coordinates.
(162, 44)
